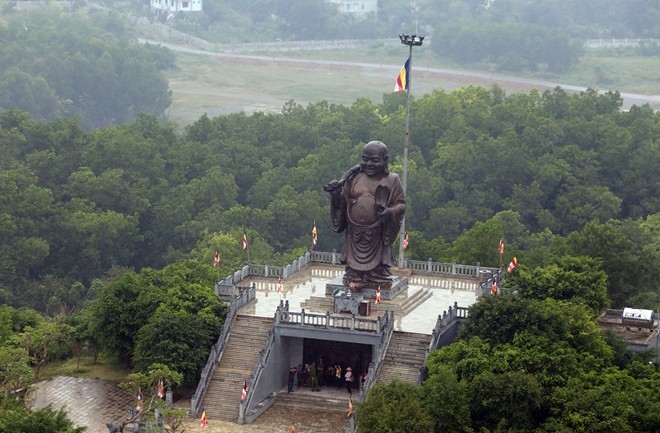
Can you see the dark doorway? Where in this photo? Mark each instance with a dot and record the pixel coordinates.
(326, 354)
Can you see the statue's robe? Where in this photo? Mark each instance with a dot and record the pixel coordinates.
(368, 242)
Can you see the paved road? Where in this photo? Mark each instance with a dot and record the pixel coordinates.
(476, 77)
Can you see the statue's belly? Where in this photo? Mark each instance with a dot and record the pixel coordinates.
(362, 210)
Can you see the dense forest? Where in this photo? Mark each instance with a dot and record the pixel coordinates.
(552, 174)
(85, 64)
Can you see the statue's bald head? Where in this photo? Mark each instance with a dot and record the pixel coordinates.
(374, 158)
(376, 147)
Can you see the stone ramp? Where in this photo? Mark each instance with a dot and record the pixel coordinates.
(89, 403)
(404, 357)
(246, 338)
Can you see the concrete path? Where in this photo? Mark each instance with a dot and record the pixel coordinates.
(89, 402)
(92, 403)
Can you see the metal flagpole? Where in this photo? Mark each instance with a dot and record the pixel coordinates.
(411, 41)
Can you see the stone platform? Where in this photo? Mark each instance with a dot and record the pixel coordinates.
(399, 284)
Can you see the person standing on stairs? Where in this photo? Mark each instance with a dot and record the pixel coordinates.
(349, 379)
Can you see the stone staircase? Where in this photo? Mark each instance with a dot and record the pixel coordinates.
(330, 401)
(415, 300)
(404, 357)
(246, 338)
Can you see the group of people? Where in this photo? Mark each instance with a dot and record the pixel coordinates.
(314, 375)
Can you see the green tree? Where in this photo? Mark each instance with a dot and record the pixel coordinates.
(394, 408)
(15, 370)
(579, 279)
(446, 400)
(38, 421)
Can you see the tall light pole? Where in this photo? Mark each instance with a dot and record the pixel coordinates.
(411, 41)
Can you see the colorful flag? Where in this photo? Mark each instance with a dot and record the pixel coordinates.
(138, 407)
(279, 285)
(216, 258)
(513, 265)
(501, 247)
(378, 295)
(315, 237)
(139, 394)
(293, 428)
(203, 421)
(350, 406)
(493, 289)
(244, 391)
(245, 244)
(405, 241)
(161, 389)
(402, 79)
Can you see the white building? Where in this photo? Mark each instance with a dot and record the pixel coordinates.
(165, 6)
(359, 8)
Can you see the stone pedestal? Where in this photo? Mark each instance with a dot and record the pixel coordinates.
(398, 285)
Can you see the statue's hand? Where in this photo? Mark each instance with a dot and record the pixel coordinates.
(384, 214)
(333, 187)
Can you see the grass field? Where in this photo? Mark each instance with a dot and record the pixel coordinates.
(105, 368)
(218, 85)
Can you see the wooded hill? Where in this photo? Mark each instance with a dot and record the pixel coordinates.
(552, 174)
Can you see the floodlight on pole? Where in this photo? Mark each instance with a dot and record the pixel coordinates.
(411, 41)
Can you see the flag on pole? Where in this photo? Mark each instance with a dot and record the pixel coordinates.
(279, 285)
(315, 237)
(378, 295)
(161, 389)
(402, 79)
(501, 247)
(293, 428)
(350, 406)
(513, 265)
(216, 258)
(203, 421)
(245, 243)
(244, 391)
(493, 289)
(405, 241)
(139, 394)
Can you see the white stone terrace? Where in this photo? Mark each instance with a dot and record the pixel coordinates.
(412, 311)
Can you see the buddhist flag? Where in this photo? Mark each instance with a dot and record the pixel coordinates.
(513, 265)
(402, 79)
(244, 391)
(245, 243)
(216, 259)
(161, 389)
(493, 289)
(501, 247)
(350, 406)
(203, 421)
(378, 295)
(279, 285)
(293, 428)
(315, 237)
(405, 241)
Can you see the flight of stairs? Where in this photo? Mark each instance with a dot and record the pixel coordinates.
(415, 300)
(404, 357)
(246, 338)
